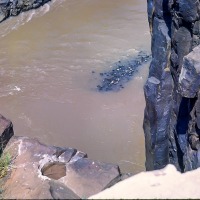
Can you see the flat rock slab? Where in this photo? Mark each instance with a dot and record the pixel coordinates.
(36, 165)
(87, 176)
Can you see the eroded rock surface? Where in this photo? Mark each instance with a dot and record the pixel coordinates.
(47, 172)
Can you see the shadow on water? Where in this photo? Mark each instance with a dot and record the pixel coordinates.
(121, 73)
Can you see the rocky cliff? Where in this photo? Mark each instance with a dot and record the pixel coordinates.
(172, 113)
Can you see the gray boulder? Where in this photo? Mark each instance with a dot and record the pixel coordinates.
(189, 80)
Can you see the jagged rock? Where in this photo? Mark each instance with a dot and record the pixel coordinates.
(161, 45)
(182, 41)
(78, 156)
(190, 74)
(158, 90)
(36, 165)
(67, 154)
(188, 10)
(161, 8)
(157, 110)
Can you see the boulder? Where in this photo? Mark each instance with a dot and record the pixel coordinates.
(188, 10)
(189, 80)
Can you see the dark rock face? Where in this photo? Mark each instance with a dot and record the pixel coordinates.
(172, 114)
(189, 79)
(158, 95)
(188, 10)
(14, 7)
(6, 132)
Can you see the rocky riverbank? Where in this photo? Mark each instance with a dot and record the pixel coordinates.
(38, 171)
(172, 117)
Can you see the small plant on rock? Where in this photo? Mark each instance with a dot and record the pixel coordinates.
(5, 161)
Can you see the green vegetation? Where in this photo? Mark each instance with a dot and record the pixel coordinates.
(5, 161)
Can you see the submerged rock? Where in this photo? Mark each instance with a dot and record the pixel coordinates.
(14, 7)
(121, 73)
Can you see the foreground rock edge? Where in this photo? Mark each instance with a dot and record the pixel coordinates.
(167, 183)
(72, 176)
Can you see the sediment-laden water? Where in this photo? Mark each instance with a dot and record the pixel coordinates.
(50, 65)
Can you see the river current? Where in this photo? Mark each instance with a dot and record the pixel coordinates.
(48, 88)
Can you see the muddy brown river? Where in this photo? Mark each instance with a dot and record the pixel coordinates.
(48, 90)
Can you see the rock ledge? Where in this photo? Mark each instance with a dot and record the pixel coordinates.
(49, 172)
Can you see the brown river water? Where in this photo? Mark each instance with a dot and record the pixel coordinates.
(47, 88)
